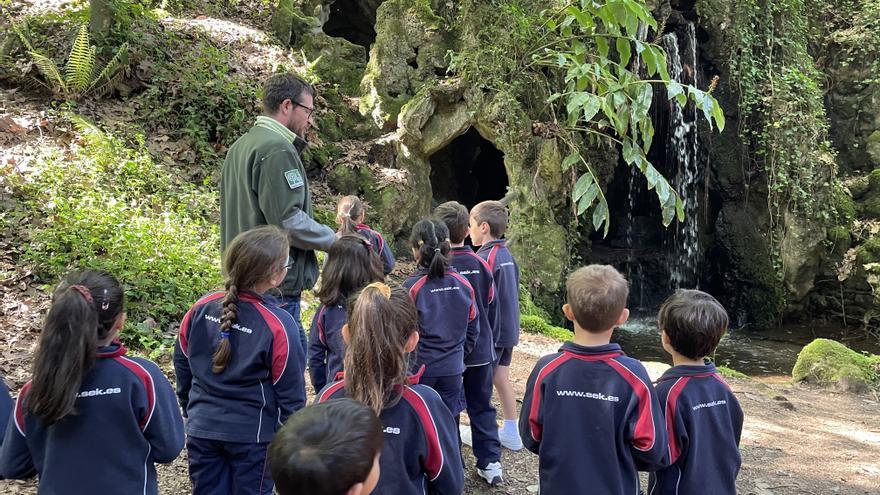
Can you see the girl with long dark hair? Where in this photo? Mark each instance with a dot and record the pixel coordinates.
(91, 419)
(421, 453)
(239, 368)
(351, 265)
(448, 325)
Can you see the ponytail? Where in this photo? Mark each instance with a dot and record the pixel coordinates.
(431, 238)
(84, 310)
(348, 211)
(252, 257)
(381, 320)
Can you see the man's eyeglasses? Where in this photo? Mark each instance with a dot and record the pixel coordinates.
(309, 110)
(288, 264)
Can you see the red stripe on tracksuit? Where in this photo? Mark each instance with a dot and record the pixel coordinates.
(671, 402)
(643, 437)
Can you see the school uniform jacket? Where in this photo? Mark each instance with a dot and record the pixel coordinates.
(326, 347)
(448, 325)
(421, 453)
(379, 245)
(704, 423)
(505, 320)
(592, 416)
(125, 419)
(6, 406)
(478, 273)
(263, 382)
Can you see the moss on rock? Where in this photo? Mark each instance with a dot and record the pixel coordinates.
(537, 325)
(730, 372)
(828, 362)
(869, 204)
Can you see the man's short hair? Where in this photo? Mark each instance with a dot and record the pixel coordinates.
(694, 322)
(597, 296)
(455, 216)
(282, 87)
(495, 214)
(326, 448)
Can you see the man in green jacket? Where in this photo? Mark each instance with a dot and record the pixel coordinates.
(263, 182)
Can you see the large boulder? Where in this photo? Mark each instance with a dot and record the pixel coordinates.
(828, 362)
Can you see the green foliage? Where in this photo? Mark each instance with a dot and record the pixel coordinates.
(828, 362)
(781, 102)
(527, 306)
(730, 372)
(111, 207)
(201, 97)
(80, 75)
(537, 325)
(586, 55)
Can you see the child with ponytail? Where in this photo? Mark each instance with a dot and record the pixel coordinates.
(421, 453)
(448, 324)
(351, 264)
(239, 368)
(350, 214)
(91, 419)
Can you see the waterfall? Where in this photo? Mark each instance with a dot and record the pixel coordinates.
(683, 162)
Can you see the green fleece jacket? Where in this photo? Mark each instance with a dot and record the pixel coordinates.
(263, 182)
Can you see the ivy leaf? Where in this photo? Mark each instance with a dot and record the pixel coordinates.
(570, 160)
(600, 216)
(581, 186)
(623, 50)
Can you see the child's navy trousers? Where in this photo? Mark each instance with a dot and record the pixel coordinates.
(477, 386)
(220, 468)
(449, 389)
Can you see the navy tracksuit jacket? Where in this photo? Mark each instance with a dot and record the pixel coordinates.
(6, 406)
(477, 378)
(592, 416)
(448, 324)
(379, 246)
(326, 347)
(261, 386)
(421, 453)
(704, 423)
(126, 418)
(505, 319)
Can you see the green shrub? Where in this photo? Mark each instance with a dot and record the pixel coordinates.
(527, 306)
(537, 325)
(110, 207)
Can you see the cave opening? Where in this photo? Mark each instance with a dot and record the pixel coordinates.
(353, 20)
(470, 169)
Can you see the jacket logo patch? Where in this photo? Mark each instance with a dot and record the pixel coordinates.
(294, 178)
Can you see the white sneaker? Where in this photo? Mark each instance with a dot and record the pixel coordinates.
(464, 432)
(491, 473)
(510, 441)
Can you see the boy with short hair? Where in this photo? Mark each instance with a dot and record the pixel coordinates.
(488, 223)
(330, 448)
(590, 412)
(703, 418)
(482, 434)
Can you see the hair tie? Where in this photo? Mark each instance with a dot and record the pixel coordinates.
(382, 288)
(84, 291)
(436, 250)
(105, 303)
(224, 335)
(421, 242)
(367, 244)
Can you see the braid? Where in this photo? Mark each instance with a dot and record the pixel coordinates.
(228, 318)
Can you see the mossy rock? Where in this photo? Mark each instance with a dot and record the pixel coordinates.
(873, 147)
(730, 372)
(869, 251)
(869, 205)
(828, 362)
(840, 239)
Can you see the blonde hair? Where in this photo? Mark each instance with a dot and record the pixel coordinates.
(348, 211)
(597, 295)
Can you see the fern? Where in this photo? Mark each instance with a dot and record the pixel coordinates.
(80, 75)
(81, 62)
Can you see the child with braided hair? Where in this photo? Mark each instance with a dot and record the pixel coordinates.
(350, 214)
(448, 324)
(420, 453)
(239, 368)
(91, 419)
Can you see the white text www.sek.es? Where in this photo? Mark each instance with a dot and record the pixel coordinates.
(587, 395)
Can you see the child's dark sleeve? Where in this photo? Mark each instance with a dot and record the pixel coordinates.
(646, 425)
(386, 255)
(530, 422)
(288, 369)
(318, 352)
(6, 406)
(164, 427)
(181, 363)
(16, 462)
(473, 328)
(448, 477)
